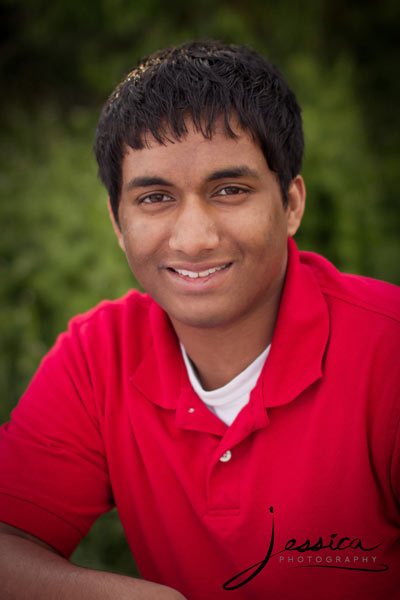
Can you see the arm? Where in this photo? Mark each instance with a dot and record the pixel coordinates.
(29, 568)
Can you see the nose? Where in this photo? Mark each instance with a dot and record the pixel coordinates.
(195, 228)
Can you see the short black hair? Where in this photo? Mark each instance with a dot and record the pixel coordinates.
(204, 81)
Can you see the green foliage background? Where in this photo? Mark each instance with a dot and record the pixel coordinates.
(58, 63)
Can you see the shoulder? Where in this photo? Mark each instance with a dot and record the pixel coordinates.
(133, 306)
(367, 297)
(113, 327)
(364, 337)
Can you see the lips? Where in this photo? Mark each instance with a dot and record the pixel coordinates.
(199, 274)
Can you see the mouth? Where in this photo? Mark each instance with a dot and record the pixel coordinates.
(199, 274)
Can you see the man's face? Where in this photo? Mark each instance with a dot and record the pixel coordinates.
(203, 227)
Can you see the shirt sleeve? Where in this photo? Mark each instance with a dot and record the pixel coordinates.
(54, 481)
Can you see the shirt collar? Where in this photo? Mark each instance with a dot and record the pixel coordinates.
(300, 336)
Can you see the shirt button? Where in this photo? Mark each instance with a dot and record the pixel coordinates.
(227, 456)
(191, 410)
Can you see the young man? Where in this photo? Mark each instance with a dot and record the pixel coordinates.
(243, 415)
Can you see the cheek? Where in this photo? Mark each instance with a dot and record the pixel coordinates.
(140, 241)
(261, 231)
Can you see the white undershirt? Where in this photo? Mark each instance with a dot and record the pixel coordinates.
(227, 401)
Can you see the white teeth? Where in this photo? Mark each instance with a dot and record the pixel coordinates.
(194, 275)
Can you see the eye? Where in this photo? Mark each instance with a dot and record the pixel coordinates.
(155, 198)
(231, 190)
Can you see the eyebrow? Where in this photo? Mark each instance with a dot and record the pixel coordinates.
(227, 173)
(146, 182)
(232, 172)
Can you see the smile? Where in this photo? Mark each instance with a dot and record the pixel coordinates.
(196, 274)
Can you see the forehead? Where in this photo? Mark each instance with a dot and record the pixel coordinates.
(194, 154)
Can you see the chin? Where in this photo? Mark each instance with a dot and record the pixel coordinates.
(201, 320)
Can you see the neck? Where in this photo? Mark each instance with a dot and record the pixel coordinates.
(221, 353)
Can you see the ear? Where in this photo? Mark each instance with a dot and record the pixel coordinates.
(116, 227)
(296, 204)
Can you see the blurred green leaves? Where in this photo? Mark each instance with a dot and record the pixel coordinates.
(58, 251)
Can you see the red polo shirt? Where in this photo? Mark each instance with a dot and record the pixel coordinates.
(301, 492)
